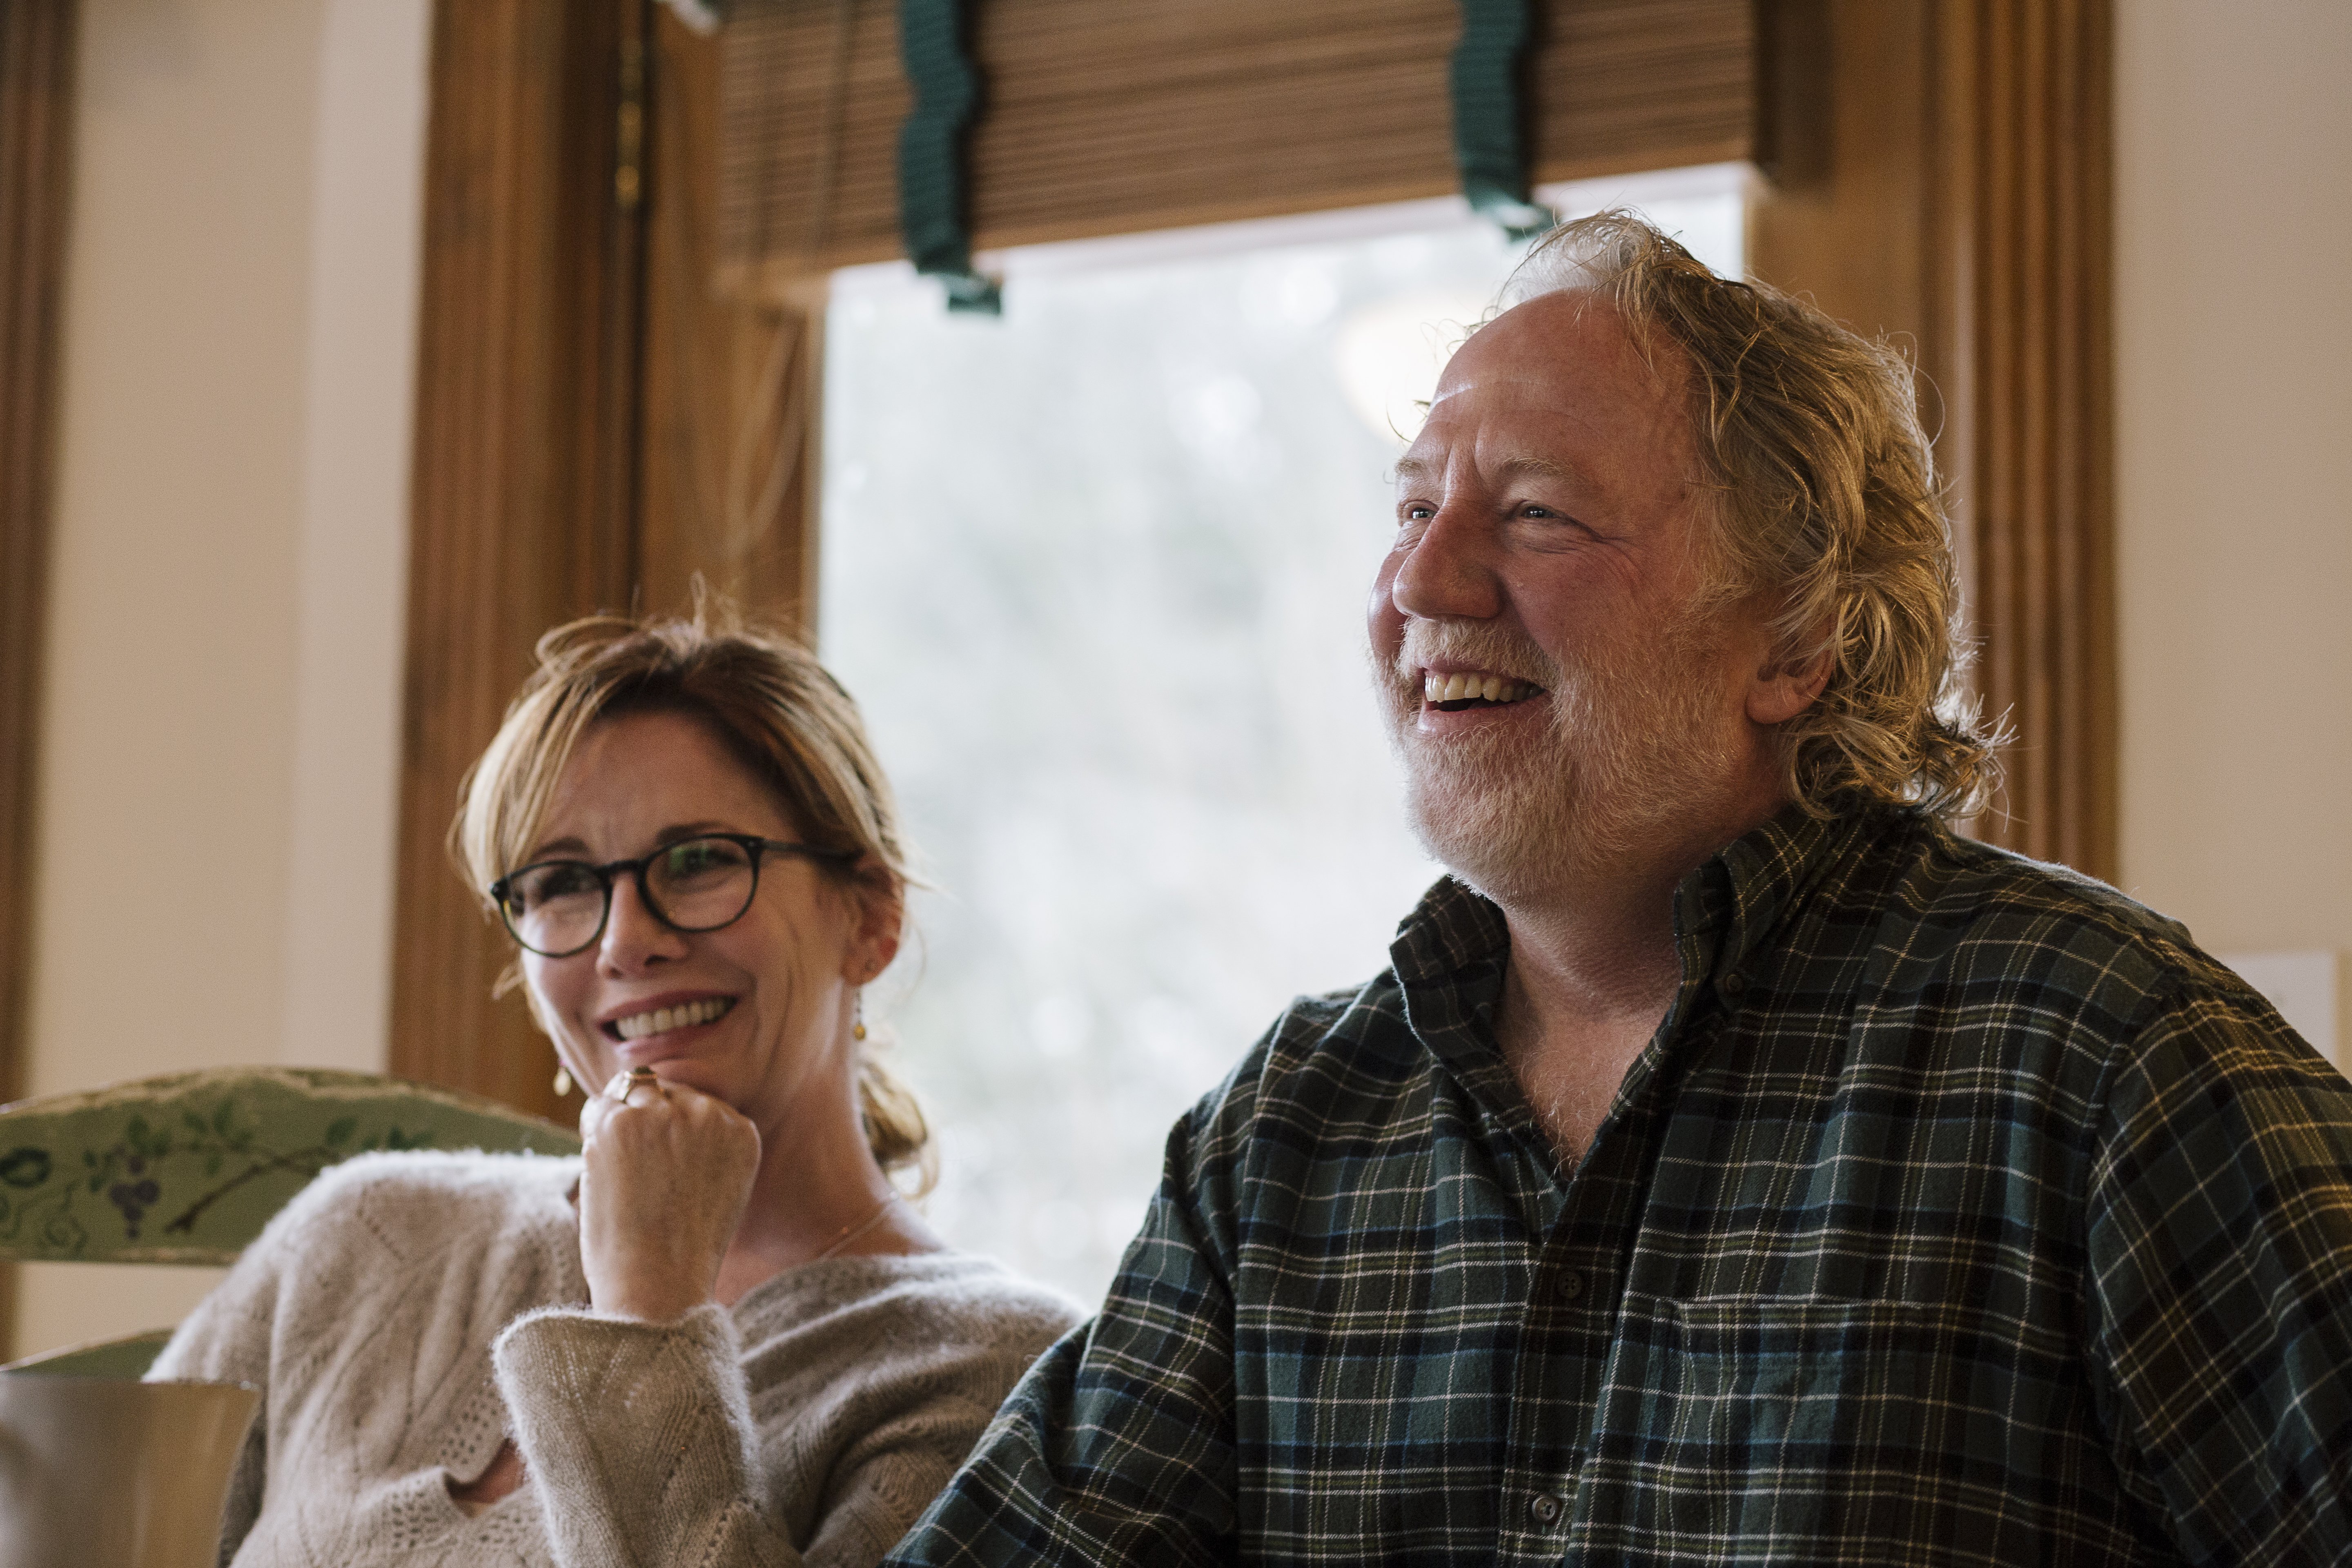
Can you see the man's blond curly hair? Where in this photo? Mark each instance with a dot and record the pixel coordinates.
(1824, 498)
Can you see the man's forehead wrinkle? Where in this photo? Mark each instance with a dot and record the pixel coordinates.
(1538, 464)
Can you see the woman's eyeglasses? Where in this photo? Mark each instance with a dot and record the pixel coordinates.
(558, 908)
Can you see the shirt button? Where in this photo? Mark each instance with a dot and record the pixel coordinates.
(1545, 1509)
(1734, 984)
(1569, 1287)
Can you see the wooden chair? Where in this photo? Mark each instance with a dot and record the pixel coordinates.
(116, 1475)
(188, 1168)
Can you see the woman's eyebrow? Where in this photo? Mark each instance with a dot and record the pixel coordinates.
(568, 848)
(671, 835)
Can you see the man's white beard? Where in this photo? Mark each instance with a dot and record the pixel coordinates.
(1631, 747)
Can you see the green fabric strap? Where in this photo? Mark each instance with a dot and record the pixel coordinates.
(1486, 144)
(931, 151)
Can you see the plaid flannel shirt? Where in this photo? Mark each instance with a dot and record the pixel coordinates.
(1960, 1211)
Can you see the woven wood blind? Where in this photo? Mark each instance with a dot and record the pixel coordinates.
(1110, 119)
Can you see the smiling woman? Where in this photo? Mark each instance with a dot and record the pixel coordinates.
(718, 1336)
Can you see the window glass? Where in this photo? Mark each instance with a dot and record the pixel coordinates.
(1097, 573)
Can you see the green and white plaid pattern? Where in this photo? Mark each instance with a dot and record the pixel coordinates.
(1960, 1212)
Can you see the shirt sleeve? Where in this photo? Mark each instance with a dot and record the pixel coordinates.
(2219, 1235)
(1119, 1445)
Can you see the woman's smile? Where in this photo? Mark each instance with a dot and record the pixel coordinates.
(664, 1015)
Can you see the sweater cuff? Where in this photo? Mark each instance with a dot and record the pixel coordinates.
(638, 1435)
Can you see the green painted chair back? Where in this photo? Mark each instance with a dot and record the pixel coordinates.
(189, 1167)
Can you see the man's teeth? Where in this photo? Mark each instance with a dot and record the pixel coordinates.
(637, 1026)
(1436, 687)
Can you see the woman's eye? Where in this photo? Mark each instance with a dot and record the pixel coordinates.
(701, 858)
(564, 879)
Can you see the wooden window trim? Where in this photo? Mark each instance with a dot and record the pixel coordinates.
(36, 123)
(523, 511)
(1941, 171)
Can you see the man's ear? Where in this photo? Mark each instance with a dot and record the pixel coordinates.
(1779, 692)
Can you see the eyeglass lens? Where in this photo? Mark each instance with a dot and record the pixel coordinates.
(696, 884)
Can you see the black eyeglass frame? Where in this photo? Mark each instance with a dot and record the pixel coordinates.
(755, 848)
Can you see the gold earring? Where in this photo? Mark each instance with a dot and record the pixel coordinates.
(562, 1082)
(857, 1016)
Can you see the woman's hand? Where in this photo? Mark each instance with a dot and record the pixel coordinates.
(668, 1171)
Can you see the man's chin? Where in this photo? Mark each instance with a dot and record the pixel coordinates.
(1508, 844)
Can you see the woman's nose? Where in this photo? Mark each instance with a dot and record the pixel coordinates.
(634, 935)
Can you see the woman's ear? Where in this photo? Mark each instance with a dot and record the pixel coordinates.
(1780, 692)
(877, 908)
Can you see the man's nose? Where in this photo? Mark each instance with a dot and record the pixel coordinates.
(634, 935)
(1448, 572)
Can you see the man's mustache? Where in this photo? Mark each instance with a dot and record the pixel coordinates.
(1489, 648)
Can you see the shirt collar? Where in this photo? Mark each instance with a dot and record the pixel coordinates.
(1732, 906)
(1450, 951)
(1724, 911)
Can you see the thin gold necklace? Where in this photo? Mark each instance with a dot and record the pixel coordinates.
(850, 1232)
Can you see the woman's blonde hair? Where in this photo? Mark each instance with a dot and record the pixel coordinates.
(781, 715)
(1824, 496)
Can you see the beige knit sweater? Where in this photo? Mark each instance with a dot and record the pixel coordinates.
(408, 1311)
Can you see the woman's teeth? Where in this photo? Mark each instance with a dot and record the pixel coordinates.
(637, 1026)
(1475, 687)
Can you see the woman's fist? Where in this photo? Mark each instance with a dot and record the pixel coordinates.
(668, 1170)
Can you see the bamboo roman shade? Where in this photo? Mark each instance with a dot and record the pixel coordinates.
(1115, 118)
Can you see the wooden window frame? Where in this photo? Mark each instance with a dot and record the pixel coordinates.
(36, 119)
(1939, 169)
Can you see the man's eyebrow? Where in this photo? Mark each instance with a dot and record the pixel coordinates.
(1533, 464)
(1546, 467)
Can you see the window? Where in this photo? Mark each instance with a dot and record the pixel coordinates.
(1097, 573)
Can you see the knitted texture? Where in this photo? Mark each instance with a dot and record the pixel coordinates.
(409, 1311)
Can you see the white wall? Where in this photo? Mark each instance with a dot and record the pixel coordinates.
(219, 754)
(2234, 467)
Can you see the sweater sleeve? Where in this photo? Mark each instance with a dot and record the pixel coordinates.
(646, 1447)
(639, 1437)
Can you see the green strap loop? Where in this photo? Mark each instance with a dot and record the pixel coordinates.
(1486, 142)
(932, 152)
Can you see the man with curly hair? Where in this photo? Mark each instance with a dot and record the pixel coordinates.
(1736, 1166)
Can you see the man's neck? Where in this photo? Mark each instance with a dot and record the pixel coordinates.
(1592, 971)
